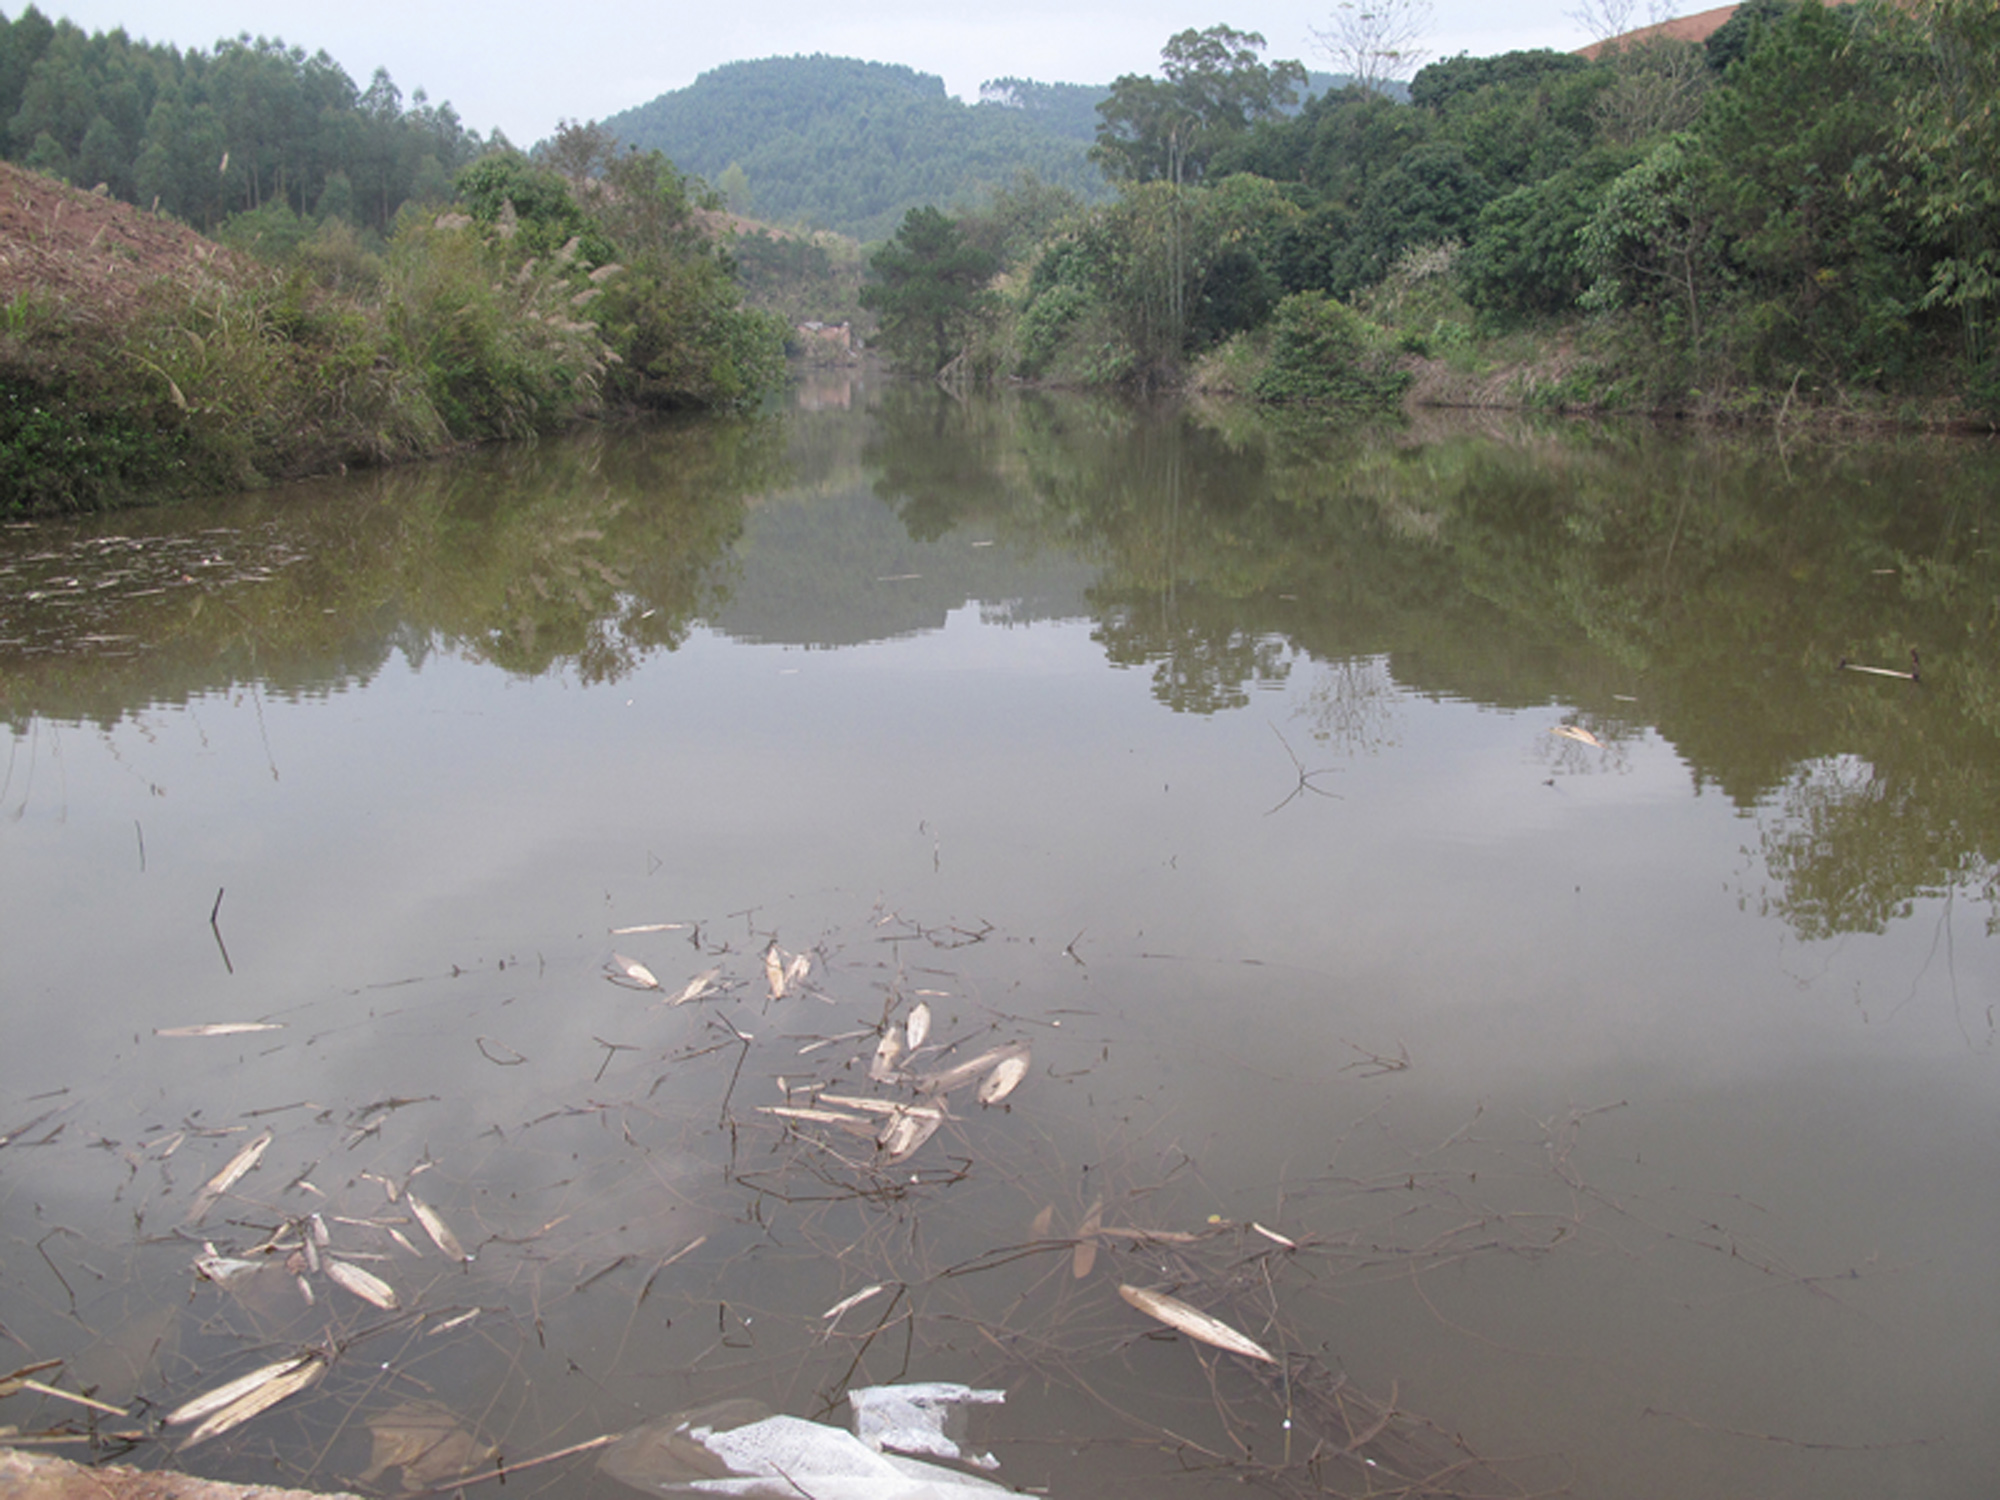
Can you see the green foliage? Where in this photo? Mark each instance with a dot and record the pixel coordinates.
(531, 207)
(1657, 87)
(59, 452)
(1449, 83)
(272, 233)
(249, 126)
(1325, 353)
(1020, 217)
(454, 333)
(1652, 244)
(498, 355)
(1525, 255)
(1824, 286)
(853, 146)
(1945, 180)
(1213, 90)
(1068, 110)
(930, 290)
(682, 338)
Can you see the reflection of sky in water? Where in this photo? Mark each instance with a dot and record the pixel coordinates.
(1538, 927)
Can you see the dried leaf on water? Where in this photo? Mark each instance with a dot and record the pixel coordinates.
(774, 970)
(427, 1442)
(813, 1116)
(919, 1023)
(223, 1269)
(907, 1129)
(364, 1284)
(1578, 733)
(219, 1028)
(959, 1075)
(230, 1406)
(228, 1177)
(1005, 1077)
(1195, 1323)
(856, 1101)
(1085, 1255)
(436, 1228)
(695, 988)
(630, 973)
(1274, 1237)
(1043, 1223)
(883, 1068)
(832, 1314)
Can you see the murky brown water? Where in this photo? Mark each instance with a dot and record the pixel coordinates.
(1623, 1110)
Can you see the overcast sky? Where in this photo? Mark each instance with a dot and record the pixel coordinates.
(521, 65)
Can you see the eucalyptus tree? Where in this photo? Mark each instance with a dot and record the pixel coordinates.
(1213, 89)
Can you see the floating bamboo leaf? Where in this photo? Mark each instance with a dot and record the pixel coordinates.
(919, 1024)
(1005, 1077)
(1195, 1323)
(883, 1068)
(304, 1374)
(856, 1101)
(228, 1177)
(774, 970)
(427, 1442)
(816, 1116)
(219, 1028)
(1085, 1255)
(907, 1129)
(364, 1284)
(225, 1400)
(832, 1314)
(436, 1228)
(631, 973)
(695, 988)
(1578, 733)
(223, 1269)
(957, 1076)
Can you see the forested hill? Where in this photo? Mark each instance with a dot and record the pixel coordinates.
(246, 127)
(848, 145)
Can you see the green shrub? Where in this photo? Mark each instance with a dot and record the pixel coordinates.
(1324, 352)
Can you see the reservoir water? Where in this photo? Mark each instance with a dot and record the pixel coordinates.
(1473, 928)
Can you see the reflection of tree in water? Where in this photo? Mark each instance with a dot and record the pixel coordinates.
(589, 554)
(1197, 668)
(1852, 849)
(1352, 704)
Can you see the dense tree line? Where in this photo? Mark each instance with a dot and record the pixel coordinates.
(248, 125)
(1810, 199)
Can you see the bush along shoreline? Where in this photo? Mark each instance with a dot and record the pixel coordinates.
(135, 369)
(1796, 220)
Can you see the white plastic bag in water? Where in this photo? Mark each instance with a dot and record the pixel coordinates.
(925, 1418)
(735, 1448)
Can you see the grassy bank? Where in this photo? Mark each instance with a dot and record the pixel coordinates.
(140, 361)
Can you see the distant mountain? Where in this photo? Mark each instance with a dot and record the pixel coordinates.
(836, 143)
(846, 145)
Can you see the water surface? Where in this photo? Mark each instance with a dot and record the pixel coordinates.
(1620, 1107)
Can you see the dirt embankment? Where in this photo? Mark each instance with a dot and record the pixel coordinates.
(88, 251)
(37, 1476)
